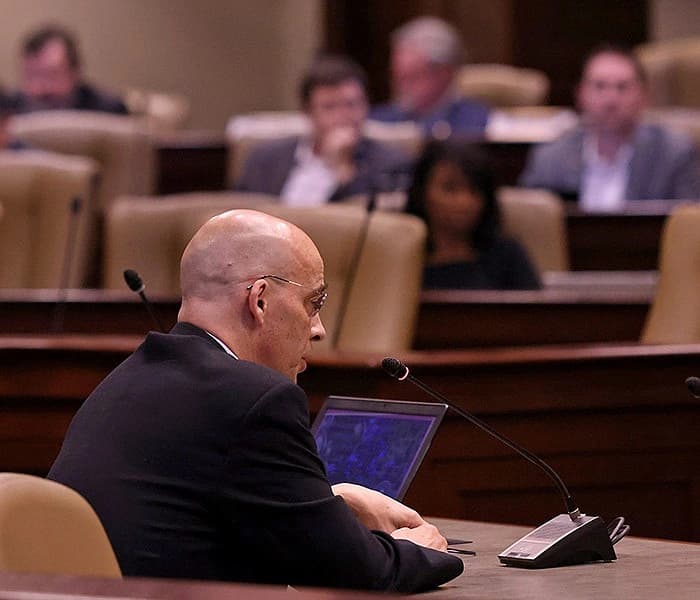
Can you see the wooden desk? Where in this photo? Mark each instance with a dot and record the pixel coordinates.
(617, 242)
(616, 422)
(447, 319)
(645, 570)
(471, 319)
(191, 161)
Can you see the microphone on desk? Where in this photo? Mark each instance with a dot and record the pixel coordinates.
(567, 539)
(59, 311)
(693, 384)
(136, 285)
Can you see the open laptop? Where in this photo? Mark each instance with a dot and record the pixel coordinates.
(376, 443)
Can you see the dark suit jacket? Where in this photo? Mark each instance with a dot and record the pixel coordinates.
(202, 466)
(464, 116)
(87, 97)
(664, 166)
(379, 167)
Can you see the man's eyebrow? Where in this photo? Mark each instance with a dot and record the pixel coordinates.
(319, 290)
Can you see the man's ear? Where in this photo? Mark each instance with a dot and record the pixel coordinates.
(257, 300)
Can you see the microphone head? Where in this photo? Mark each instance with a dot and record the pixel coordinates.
(395, 368)
(693, 384)
(134, 281)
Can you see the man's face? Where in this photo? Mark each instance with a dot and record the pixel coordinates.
(332, 107)
(294, 322)
(48, 80)
(417, 83)
(611, 97)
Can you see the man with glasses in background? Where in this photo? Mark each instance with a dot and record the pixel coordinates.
(196, 452)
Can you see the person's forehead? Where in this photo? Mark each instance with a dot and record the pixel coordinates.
(343, 89)
(610, 66)
(53, 53)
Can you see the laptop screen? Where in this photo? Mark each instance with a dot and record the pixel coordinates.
(375, 443)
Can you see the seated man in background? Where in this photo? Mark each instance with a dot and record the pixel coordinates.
(196, 451)
(335, 161)
(425, 55)
(51, 76)
(613, 156)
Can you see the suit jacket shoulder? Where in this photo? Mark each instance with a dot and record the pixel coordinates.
(267, 167)
(555, 165)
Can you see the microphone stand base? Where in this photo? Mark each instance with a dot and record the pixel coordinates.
(561, 542)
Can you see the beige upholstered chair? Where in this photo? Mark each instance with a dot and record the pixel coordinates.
(119, 144)
(48, 528)
(161, 112)
(502, 85)
(536, 218)
(149, 235)
(673, 71)
(674, 317)
(245, 132)
(37, 190)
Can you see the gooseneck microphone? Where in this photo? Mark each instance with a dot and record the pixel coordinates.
(59, 312)
(136, 285)
(400, 371)
(570, 538)
(354, 264)
(693, 384)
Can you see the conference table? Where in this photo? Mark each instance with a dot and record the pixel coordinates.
(645, 569)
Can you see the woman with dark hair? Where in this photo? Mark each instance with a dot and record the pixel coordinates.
(454, 192)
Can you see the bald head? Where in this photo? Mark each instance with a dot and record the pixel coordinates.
(224, 290)
(236, 246)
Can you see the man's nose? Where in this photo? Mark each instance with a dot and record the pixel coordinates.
(318, 331)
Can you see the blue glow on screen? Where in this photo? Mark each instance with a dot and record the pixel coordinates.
(371, 449)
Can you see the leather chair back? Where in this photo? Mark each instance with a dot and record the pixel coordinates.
(36, 191)
(119, 144)
(536, 218)
(674, 317)
(149, 235)
(501, 85)
(673, 71)
(48, 528)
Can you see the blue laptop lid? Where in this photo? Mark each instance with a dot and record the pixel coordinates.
(375, 443)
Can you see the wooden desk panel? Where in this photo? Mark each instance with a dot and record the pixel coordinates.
(616, 421)
(447, 319)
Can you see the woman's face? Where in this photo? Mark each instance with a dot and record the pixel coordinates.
(452, 205)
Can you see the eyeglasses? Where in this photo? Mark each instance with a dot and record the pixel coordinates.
(316, 302)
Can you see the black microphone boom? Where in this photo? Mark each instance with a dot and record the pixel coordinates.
(567, 539)
(136, 285)
(59, 312)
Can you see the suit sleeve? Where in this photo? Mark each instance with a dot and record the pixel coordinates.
(686, 181)
(276, 479)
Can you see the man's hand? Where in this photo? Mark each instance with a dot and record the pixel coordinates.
(377, 511)
(425, 535)
(337, 148)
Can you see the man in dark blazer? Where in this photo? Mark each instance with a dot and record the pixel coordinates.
(196, 451)
(335, 161)
(51, 76)
(612, 156)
